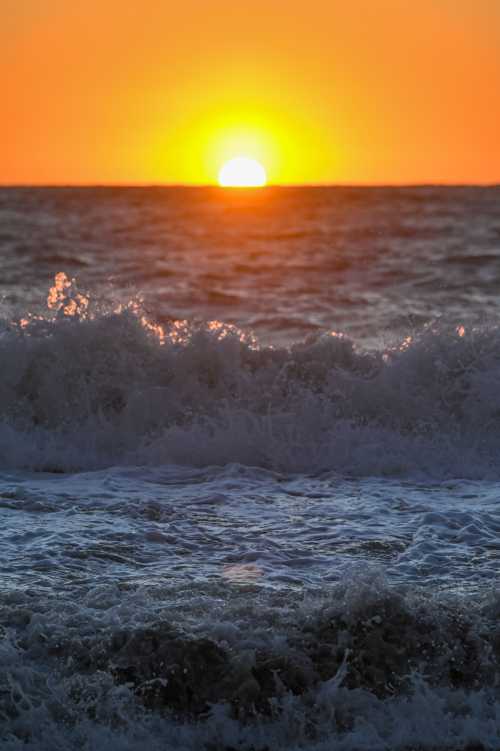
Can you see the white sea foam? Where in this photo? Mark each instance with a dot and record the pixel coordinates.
(92, 385)
(366, 668)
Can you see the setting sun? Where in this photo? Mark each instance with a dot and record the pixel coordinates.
(242, 172)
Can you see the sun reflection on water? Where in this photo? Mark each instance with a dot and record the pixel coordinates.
(242, 573)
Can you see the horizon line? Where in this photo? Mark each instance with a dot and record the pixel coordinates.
(418, 184)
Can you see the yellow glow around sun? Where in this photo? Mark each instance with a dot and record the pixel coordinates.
(242, 172)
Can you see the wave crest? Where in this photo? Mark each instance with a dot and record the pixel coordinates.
(94, 383)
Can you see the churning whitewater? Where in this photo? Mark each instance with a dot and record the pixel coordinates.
(249, 470)
(94, 385)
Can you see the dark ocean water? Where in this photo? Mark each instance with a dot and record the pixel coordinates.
(250, 469)
(283, 263)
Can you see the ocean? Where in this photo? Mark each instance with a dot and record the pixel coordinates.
(250, 469)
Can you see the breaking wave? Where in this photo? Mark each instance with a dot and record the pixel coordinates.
(93, 384)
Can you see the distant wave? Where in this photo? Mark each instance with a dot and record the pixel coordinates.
(93, 383)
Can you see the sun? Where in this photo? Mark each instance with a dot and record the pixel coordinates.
(242, 172)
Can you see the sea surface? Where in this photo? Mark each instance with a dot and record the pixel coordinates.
(250, 469)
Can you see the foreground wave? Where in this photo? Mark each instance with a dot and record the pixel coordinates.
(92, 385)
(365, 668)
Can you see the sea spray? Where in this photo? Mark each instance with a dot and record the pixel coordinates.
(90, 385)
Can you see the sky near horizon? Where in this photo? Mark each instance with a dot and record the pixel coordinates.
(319, 91)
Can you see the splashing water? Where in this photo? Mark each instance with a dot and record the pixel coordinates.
(97, 383)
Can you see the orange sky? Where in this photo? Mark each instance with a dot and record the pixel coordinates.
(357, 91)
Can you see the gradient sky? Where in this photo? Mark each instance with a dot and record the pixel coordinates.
(356, 91)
